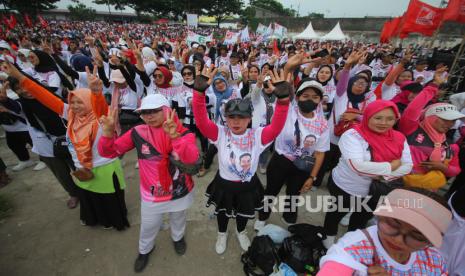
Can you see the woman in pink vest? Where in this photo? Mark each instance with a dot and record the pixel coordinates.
(164, 187)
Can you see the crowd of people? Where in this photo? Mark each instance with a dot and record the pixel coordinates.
(369, 118)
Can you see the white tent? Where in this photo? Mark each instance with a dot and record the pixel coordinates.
(308, 33)
(335, 34)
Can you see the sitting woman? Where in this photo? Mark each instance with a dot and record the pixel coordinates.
(100, 180)
(165, 188)
(434, 156)
(403, 242)
(236, 191)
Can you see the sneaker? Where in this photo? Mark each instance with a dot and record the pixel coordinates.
(258, 225)
(22, 165)
(136, 166)
(345, 220)
(40, 166)
(243, 239)
(329, 241)
(107, 227)
(221, 242)
(141, 262)
(72, 202)
(180, 246)
(262, 169)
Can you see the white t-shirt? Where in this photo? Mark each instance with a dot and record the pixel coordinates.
(259, 107)
(222, 61)
(238, 154)
(313, 134)
(355, 251)
(355, 170)
(329, 91)
(452, 245)
(50, 79)
(389, 91)
(185, 100)
(82, 81)
(427, 76)
(170, 93)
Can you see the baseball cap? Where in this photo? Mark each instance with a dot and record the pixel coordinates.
(427, 215)
(241, 107)
(153, 101)
(444, 111)
(310, 84)
(5, 45)
(117, 76)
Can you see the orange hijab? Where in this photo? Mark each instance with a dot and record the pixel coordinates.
(82, 129)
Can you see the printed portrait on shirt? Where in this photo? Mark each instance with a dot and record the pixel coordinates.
(240, 165)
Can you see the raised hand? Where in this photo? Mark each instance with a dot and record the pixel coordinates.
(202, 80)
(439, 76)
(297, 60)
(114, 60)
(245, 74)
(282, 84)
(108, 122)
(3, 89)
(354, 57)
(12, 71)
(169, 126)
(93, 82)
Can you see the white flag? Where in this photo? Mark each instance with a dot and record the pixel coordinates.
(192, 20)
(268, 32)
(193, 37)
(231, 37)
(245, 34)
(279, 31)
(261, 29)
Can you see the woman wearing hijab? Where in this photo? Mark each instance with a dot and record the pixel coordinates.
(325, 77)
(372, 153)
(161, 84)
(404, 241)
(236, 191)
(434, 156)
(100, 180)
(408, 91)
(23, 59)
(165, 189)
(46, 72)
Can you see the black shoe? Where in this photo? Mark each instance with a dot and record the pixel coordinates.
(141, 262)
(180, 246)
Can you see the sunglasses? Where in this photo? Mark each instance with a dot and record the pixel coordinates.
(238, 105)
(187, 74)
(158, 76)
(150, 111)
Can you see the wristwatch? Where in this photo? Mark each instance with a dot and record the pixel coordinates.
(314, 178)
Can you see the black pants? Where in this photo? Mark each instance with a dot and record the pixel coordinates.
(209, 156)
(357, 219)
(281, 170)
(459, 181)
(222, 219)
(203, 139)
(17, 142)
(61, 170)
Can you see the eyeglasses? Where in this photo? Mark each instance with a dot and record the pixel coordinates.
(361, 83)
(150, 111)
(391, 227)
(187, 74)
(158, 76)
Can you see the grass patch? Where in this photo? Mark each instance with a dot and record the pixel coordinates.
(6, 207)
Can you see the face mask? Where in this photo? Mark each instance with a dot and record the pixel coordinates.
(189, 82)
(306, 106)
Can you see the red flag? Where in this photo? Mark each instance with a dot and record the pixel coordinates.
(384, 38)
(27, 20)
(43, 22)
(5, 21)
(421, 18)
(12, 22)
(455, 11)
(275, 48)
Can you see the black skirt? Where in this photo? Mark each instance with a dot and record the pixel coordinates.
(235, 198)
(108, 210)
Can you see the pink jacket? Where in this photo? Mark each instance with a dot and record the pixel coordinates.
(148, 157)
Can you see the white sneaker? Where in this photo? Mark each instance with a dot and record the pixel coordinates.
(345, 220)
(329, 241)
(136, 166)
(258, 225)
(221, 242)
(243, 239)
(22, 165)
(40, 166)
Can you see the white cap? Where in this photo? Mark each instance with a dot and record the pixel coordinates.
(117, 76)
(195, 45)
(4, 44)
(310, 84)
(153, 101)
(444, 111)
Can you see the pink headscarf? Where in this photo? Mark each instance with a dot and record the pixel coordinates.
(435, 136)
(387, 146)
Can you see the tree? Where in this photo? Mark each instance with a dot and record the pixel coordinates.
(220, 9)
(31, 7)
(316, 15)
(274, 6)
(81, 12)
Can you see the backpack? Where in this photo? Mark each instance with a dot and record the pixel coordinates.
(303, 250)
(261, 254)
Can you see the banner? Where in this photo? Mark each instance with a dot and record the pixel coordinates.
(245, 34)
(261, 29)
(421, 18)
(231, 37)
(193, 37)
(455, 11)
(279, 31)
(192, 20)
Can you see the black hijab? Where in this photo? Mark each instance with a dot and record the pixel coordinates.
(324, 83)
(353, 98)
(47, 64)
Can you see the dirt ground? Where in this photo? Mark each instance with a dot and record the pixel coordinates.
(42, 237)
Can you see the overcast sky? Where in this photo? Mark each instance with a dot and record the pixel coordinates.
(330, 8)
(352, 8)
